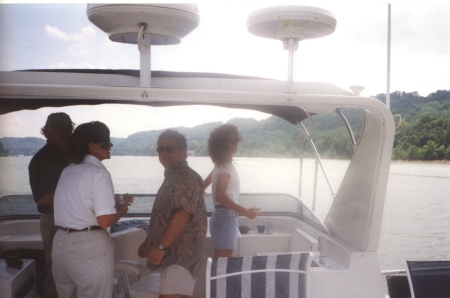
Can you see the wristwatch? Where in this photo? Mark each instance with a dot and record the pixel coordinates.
(162, 247)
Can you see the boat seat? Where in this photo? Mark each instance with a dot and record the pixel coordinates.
(131, 277)
(274, 275)
(126, 244)
(428, 278)
(135, 281)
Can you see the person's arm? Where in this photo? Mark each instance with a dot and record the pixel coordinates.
(143, 248)
(177, 225)
(223, 199)
(46, 199)
(107, 220)
(207, 181)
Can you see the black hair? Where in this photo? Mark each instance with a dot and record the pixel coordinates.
(91, 132)
(173, 135)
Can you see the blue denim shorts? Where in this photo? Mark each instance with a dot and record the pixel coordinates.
(224, 228)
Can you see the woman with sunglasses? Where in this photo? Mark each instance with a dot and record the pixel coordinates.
(84, 207)
(222, 145)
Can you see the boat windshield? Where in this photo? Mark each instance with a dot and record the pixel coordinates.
(279, 171)
(18, 206)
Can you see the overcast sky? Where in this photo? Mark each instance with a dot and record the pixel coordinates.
(61, 36)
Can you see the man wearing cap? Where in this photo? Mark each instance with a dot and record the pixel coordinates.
(44, 171)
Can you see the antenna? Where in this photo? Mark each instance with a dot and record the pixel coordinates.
(388, 76)
(356, 89)
(145, 25)
(291, 24)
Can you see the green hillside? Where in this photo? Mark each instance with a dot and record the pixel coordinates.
(422, 134)
(3, 152)
(424, 131)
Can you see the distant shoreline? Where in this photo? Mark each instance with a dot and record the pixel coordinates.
(424, 161)
(392, 160)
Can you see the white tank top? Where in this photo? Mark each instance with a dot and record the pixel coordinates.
(233, 185)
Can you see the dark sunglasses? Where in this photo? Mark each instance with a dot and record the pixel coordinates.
(169, 149)
(106, 145)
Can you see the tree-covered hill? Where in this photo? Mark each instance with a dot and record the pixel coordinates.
(424, 131)
(422, 134)
(412, 106)
(3, 152)
(144, 142)
(272, 137)
(28, 146)
(22, 146)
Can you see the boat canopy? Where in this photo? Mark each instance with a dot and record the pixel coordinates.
(16, 94)
(356, 212)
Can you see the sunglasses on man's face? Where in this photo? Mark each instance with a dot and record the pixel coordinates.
(169, 149)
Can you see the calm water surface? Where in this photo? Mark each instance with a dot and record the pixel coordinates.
(416, 222)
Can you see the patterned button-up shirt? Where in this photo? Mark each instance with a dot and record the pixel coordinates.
(182, 188)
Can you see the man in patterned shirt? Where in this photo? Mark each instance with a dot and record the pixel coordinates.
(177, 232)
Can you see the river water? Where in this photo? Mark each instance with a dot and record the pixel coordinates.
(416, 219)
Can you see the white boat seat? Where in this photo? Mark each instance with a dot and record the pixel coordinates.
(132, 278)
(428, 278)
(130, 266)
(147, 287)
(126, 244)
(270, 276)
(133, 282)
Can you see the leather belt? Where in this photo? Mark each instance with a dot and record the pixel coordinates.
(218, 206)
(91, 228)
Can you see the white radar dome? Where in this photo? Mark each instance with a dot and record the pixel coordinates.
(166, 23)
(297, 22)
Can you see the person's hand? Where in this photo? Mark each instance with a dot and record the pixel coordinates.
(251, 213)
(155, 255)
(143, 249)
(129, 199)
(121, 209)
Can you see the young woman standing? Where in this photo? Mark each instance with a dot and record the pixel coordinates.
(222, 145)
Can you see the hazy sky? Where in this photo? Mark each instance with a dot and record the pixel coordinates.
(61, 36)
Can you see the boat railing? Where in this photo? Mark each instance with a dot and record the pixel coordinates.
(393, 272)
(318, 162)
(271, 204)
(349, 129)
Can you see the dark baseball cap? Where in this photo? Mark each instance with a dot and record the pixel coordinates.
(61, 121)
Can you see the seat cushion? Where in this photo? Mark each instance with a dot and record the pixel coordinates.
(148, 287)
(126, 244)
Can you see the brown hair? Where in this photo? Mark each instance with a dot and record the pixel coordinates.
(218, 148)
(60, 121)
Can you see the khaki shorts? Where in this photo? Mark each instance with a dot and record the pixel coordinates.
(176, 279)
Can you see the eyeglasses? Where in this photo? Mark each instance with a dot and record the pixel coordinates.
(106, 145)
(169, 149)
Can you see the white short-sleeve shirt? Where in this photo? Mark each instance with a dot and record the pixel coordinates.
(233, 185)
(84, 192)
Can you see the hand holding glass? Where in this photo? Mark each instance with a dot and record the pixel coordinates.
(251, 213)
(121, 199)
